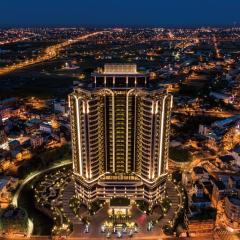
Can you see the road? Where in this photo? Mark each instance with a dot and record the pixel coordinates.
(222, 114)
(160, 37)
(11, 41)
(26, 181)
(49, 53)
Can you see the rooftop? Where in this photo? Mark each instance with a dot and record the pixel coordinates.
(120, 69)
(198, 170)
(220, 185)
(226, 121)
(237, 148)
(227, 158)
(234, 200)
(3, 183)
(204, 198)
(120, 76)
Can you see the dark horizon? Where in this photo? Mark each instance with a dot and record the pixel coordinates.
(125, 13)
(123, 26)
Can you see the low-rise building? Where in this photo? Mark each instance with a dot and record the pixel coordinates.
(204, 130)
(202, 201)
(36, 141)
(232, 212)
(221, 96)
(14, 222)
(45, 127)
(32, 125)
(196, 227)
(219, 192)
(60, 106)
(199, 190)
(4, 164)
(3, 135)
(225, 161)
(199, 174)
(19, 155)
(187, 179)
(14, 145)
(200, 221)
(235, 152)
(6, 186)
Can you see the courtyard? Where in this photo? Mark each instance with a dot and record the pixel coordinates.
(54, 196)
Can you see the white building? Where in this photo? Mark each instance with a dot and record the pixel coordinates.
(60, 106)
(45, 127)
(36, 141)
(220, 96)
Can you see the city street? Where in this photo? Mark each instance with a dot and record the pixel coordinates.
(48, 54)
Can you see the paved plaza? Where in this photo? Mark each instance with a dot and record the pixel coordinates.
(138, 217)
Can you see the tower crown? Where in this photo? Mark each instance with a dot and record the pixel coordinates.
(120, 69)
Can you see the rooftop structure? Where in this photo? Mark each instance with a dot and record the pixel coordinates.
(120, 69)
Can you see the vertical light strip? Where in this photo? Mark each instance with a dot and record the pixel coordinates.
(113, 124)
(69, 101)
(154, 142)
(156, 108)
(73, 132)
(79, 136)
(105, 116)
(161, 136)
(86, 119)
(113, 128)
(126, 150)
(95, 80)
(134, 130)
(171, 106)
(128, 93)
(151, 149)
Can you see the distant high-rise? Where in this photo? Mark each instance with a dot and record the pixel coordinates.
(120, 135)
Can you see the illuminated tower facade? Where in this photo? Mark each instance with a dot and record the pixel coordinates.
(120, 135)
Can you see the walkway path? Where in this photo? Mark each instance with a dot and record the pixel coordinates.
(176, 200)
(78, 226)
(137, 216)
(68, 193)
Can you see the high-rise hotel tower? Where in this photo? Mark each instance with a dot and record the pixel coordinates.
(120, 135)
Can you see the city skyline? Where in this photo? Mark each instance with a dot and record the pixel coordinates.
(119, 13)
(120, 119)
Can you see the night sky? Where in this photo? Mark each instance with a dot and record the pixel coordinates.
(119, 12)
